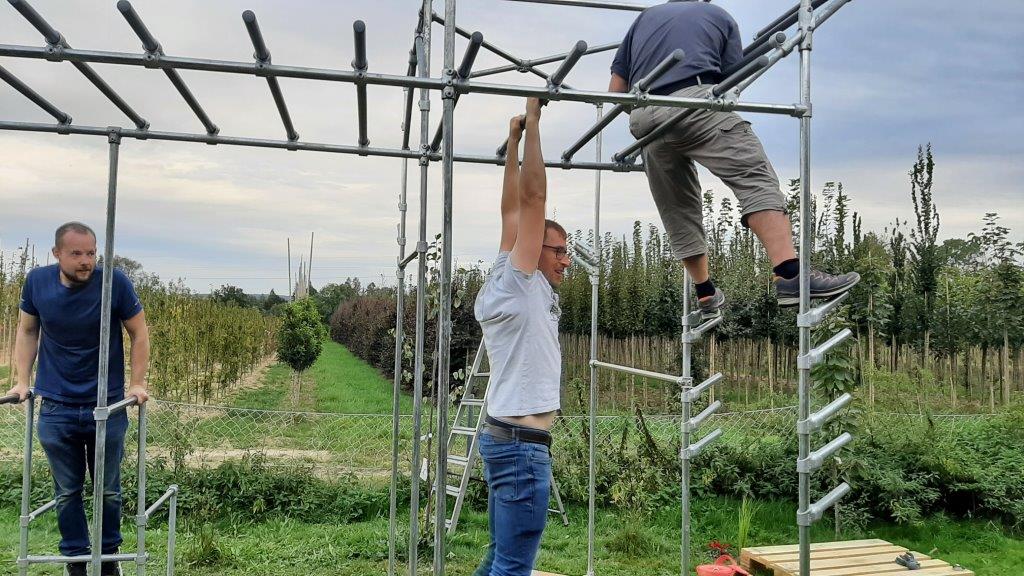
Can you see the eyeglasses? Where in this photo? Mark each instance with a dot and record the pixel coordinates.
(560, 251)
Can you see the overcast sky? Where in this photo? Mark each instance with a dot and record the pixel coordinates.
(888, 76)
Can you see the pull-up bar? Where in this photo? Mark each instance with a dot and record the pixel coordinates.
(155, 51)
(34, 96)
(779, 24)
(527, 64)
(475, 40)
(641, 86)
(360, 64)
(56, 44)
(555, 82)
(262, 56)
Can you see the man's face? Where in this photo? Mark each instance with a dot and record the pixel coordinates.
(76, 256)
(554, 258)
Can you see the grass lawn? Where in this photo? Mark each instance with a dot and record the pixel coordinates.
(340, 382)
(625, 545)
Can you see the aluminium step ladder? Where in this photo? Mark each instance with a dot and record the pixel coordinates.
(463, 448)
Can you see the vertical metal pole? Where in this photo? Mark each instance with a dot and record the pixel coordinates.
(104, 361)
(805, 268)
(684, 553)
(444, 315)
(423, 58)
(26, 487)
(172, 530)
(595, 282)
(291, 287)
(397, 387)
(140, 515)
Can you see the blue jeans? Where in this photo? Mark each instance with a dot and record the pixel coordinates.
(68, 435)
(518, 478)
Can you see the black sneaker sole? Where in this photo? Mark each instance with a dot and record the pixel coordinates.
(791, 301)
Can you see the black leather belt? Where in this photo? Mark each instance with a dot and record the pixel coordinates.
(709, 78)
(505, 431)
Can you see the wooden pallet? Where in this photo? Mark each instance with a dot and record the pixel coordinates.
(850, 558)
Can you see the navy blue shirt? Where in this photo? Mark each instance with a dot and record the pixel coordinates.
(707, 33)
(69, 345)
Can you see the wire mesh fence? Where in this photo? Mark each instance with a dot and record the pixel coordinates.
(330, 443)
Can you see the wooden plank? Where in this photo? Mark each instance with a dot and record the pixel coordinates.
(817, 564)
(836, 554)
(761, 550)
(539, 573)
(890, 567)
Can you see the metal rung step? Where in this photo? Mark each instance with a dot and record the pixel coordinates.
(447, 523)
(451, 490)
(464, 430)
(458, 460)
(472, 401)
(482, 375)
(554, 511)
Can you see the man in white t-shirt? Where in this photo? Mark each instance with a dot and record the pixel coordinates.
(518, 311)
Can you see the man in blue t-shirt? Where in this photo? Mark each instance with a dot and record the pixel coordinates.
(60, 318)
(720, 141)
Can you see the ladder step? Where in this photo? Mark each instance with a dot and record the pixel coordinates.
(451, 490)
(482, 375)
(464, 430)
(472, 401)
(447, 523)
(458, 460)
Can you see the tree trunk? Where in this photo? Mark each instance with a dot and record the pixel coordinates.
(1006, 367)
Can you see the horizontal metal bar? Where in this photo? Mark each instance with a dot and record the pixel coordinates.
(122, 405)
(274, 70)
(42, 510)
(817, 420)
(814, 316)
(694, 393)
(11, 399)
(695, 422)
(696, 448)
(288, 145)
(817, 510)
(160, 501)
(532, 62)
(638, 372)
(40, 24)
(608, 4)
(82, 558)
(816, 354)
(405, 262)
(816, 459)
(571, 60)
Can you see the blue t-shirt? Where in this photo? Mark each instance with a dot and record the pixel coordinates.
(707, 33)
(69, 345)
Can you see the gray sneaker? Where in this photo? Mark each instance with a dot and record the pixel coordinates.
(711, 307)
(823, 285)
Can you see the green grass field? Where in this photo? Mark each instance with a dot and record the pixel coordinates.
(625, 544)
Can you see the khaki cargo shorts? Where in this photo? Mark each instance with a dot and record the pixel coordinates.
(723, 143)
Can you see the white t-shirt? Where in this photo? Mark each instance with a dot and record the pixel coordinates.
(519, 316)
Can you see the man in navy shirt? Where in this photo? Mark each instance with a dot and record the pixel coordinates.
(720, 141)
(60, 317)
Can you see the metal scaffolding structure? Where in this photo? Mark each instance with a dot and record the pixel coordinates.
(769, 46)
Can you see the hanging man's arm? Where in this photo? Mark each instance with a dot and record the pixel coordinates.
(532, 196)
(510, 186)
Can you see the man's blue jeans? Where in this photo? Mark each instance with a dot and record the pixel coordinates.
(518, 478)
(68, 435)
